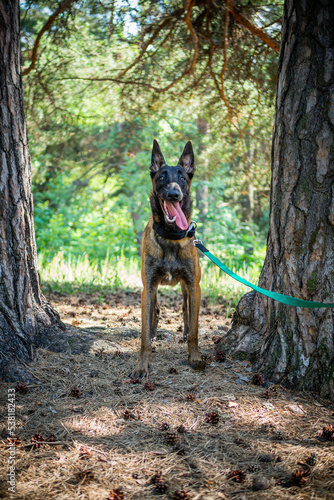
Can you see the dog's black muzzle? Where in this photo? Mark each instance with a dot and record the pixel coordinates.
(174, 192)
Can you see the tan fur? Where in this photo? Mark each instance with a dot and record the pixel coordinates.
(168, 262)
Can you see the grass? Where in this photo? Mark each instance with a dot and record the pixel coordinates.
(218, 286)
(70, 275)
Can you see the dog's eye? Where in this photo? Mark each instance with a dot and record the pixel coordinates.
(182, 179)
(161, 178)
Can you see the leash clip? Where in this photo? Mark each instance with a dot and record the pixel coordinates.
(196, 241)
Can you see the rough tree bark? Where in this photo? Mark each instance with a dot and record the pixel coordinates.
(294, 345)
(24, 313)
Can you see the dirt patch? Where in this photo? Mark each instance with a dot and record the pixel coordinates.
(209, 433)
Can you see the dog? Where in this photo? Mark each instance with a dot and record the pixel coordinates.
(168, 253)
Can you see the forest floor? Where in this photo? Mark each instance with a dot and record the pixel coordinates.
(108, 436)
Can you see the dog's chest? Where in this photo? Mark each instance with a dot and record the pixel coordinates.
(171, 269)
(172, 273)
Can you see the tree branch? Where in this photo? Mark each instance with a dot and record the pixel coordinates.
(221, 89)
(115, 80)
(222, 75)
(62, 7)
(188, 8)
(244, 21)
(149, 42)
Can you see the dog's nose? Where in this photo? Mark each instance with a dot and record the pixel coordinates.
(174, 195)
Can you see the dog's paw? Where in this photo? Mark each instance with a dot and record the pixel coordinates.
(199, 365)
(140, 372)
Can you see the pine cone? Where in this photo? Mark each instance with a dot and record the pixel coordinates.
(212, 418)
(220, 356)
(164, 427)
(156, 477)
(116, 494)
(75, 392)
(127, 414)
(135, 381)
(37, 441)
(161, 487)
(172, 438)
(22, 388)
(237, 475)
(312, 460)
(149, 386)
(181, 429)
(328, 432)
(180, 495)
(159, 482)
(257, 379)
(190, 397)
(173, 370)
(299, 477)
(216, 339)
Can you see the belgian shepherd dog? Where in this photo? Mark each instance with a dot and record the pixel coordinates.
(168, 252)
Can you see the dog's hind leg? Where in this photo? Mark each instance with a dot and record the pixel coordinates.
(185, 309)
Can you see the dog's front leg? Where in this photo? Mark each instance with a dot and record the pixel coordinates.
(148, 299)
(185, 308)
(194, 299)
(155, 316)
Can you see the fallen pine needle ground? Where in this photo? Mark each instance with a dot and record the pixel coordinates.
(85, 429)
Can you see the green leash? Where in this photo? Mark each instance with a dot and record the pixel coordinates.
(285, 299)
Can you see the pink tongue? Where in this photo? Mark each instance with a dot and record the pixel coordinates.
(175, 210)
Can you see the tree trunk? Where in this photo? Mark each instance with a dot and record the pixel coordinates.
(296, 345)
(24, 313)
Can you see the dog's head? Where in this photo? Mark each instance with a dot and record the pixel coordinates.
(170, 197)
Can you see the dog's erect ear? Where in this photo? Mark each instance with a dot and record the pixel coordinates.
(157, 158)
(187, 159)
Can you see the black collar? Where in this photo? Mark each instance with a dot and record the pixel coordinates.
(175, 235)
